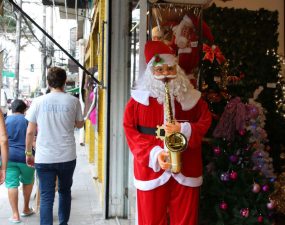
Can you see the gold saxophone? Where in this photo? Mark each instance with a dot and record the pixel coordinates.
(175, 142)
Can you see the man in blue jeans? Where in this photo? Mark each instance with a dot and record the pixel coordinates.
(54, 117)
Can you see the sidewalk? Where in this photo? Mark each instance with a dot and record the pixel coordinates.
(86, 209)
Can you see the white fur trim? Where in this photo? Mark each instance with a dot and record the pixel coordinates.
(188, 21)
(152, 184)
(186, 129)
(168, 59)
(184, 50)
(180, 178)
(153, 162)
(188, 181)
(141, 96)
(190, 99)
(188, 102)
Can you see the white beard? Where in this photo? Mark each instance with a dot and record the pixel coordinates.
(178, 87)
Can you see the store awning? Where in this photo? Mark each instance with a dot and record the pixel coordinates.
(73, 90)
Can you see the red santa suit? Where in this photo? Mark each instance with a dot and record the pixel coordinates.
(159, 191)
(187, 46)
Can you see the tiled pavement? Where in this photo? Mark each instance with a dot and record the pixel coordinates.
(86, 209)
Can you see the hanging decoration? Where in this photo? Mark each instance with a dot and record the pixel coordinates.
(177, 24)
(280, 92)
(280, 85)
(258, 140)
(213, 52)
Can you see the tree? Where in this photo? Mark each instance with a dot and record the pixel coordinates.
(8, 27)
(239, 173)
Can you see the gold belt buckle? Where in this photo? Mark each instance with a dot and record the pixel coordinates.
(160, 132)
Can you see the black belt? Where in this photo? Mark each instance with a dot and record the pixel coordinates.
(150, 131)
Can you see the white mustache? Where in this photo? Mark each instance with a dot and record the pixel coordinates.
(162, 77)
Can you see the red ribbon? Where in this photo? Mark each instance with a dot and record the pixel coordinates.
(213, 52)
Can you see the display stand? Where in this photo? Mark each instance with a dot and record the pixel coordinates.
(166, 14)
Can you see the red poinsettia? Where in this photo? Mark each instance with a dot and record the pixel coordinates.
(213, 52)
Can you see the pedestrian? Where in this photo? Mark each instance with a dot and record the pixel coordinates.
(54, 116)
(166, 189)
(17, 170)
(3, 148)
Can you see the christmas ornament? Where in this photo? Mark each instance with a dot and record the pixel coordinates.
(234, 159)
(223, 205)
(217, 151)
(213, 52)
(265, 188)
(260, 219)
(233, 175)
(241, 132)
(256, 188)
(272, 180)
(225, 176)
(253, 111)
(244, 212)
(271, 204)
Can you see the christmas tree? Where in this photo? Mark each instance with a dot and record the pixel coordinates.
(238, 177)
(238, 173)
(239, 180)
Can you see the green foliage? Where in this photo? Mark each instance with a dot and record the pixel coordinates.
(245, 37)
(8, 20)
(237, 193)
(8, 26)
(248, 40)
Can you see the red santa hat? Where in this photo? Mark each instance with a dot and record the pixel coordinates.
(158, 53)
(187, 21)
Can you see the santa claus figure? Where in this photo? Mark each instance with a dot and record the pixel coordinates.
(159, 191)
(185, 41)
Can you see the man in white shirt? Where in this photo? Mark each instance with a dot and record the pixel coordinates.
(54, 117)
